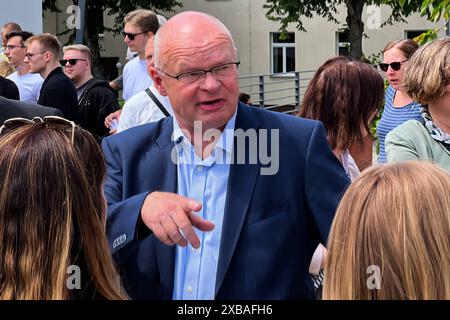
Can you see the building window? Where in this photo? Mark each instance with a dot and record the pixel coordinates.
(411, 34)
(342, 43)
(283, 52)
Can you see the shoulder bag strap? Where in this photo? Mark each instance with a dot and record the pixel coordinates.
(157, 102)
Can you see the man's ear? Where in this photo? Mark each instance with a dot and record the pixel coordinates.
(158, 81)
(48, 56)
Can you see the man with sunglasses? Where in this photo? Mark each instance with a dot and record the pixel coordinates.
(190, 214)
(96, 99)
(42, 55)
(29, 84)
(140, 25)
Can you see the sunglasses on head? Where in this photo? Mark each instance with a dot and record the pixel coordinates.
(72, 62)
(14, 123)
(394, 65)
(132, 35)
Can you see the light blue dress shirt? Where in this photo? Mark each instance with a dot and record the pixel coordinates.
(205, 181)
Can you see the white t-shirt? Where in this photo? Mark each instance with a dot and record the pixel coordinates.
(141, 109)
(29, 85)
(135, 78)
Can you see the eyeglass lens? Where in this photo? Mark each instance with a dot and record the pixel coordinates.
(72, 62)
(129, 35)
(394, 65)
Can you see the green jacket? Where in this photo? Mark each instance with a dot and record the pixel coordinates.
(412, 141)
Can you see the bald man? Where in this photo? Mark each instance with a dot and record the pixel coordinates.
(220, 201)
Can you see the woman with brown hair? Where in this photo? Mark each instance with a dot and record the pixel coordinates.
(427, 80)
(52, 213)
(345, 95)
(399, 106)
(390, 236)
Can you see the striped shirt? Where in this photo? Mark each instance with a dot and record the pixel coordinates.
(393, 117)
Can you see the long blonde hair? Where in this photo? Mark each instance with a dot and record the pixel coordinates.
(391, 235)
(52, 215)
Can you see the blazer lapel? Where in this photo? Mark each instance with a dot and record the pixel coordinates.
(163, 176)
(241, 182)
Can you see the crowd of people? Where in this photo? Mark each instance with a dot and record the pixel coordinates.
(168, 197)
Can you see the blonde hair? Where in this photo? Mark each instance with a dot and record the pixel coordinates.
(394, 217)
(47, 42)
(52, 215)
(79, 47)
(5, 68)
(428, 72)
(146, 20)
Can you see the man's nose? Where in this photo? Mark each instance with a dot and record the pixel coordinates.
(209, 81)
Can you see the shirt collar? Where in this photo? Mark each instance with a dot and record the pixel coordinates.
(226, 139)
(436, 133)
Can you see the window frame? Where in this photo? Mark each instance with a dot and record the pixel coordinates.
(284, 46)
(405, 32)
(339, 44)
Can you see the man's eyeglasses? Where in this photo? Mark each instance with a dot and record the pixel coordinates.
(394, 65)
(29, 55)
(72, 62)
(14, 123)
(11, 47)
(132, 35)
(223, 72)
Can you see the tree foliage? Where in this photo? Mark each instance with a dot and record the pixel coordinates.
(293, 11)
(95, 10)
(434, 10)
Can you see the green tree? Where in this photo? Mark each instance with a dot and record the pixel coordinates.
(292, 11)
(434, 10)
(94, 14)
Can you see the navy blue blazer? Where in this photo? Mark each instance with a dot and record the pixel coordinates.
(272, 223)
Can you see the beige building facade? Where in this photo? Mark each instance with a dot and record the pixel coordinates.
(254, 34)
(260, 48)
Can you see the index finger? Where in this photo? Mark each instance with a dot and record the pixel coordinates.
(186, 229)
